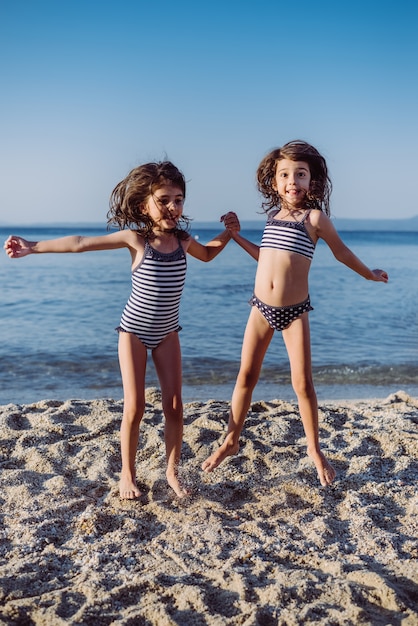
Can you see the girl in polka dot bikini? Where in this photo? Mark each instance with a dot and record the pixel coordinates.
(296, 187)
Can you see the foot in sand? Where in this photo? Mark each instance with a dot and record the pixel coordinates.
(174, 483)
(228, 448)
(128, 489)
(326, 473)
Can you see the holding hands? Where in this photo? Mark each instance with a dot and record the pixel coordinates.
(231, 222)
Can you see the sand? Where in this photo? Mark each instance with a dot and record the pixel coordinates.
(259, 542)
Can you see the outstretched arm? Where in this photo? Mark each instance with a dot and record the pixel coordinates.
(17, 247)
(346, 256)
(325, 229)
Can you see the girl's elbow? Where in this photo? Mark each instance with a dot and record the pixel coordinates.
(205, 257)
(343, 257)
(210, 256)
(81, 244)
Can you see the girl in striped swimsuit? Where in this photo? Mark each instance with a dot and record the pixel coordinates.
(147, 207)
(295, 184)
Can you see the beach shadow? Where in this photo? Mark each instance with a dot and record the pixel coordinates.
(227, 492)
(139, 620)
(17, 421)
(376, 466)
(5, 545)
(266, 615)
(257, 443)
(69, 604)
(377, 601)
(219, 601)
(153, 418)
(208, 436)
(31, 479)
(187, 452)
(408, 475)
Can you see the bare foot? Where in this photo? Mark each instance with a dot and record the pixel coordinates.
(174, 483)
(326, 473)
(128, 489)
(227, 449)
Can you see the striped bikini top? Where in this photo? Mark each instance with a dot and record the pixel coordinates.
(289, 236)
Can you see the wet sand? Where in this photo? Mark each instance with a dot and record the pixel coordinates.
(259, 541)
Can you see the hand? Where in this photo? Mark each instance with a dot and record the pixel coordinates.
(17, 247)
(231, 222)
(380, 276)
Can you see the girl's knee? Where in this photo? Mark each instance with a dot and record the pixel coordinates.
(133, 412)
(173, 414)
(304, 388)
(247, 379)
(173, 408)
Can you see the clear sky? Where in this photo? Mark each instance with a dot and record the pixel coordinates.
(90, 90)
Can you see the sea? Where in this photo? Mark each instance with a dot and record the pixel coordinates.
(59, 312)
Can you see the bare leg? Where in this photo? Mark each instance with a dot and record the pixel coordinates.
(297, 341)
(167, 359)
(257, 338)
(132, 360)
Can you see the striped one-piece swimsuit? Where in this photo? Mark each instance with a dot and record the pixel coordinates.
(152, 311)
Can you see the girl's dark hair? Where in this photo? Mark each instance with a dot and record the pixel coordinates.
(318, 196)
(128, 198)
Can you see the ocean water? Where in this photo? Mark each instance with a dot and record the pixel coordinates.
(58, 314)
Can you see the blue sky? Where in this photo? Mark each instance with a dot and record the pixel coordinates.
(92, 89)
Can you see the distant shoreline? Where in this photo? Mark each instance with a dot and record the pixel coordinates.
(342, 224)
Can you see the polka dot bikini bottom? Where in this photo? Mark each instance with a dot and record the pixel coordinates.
(280, 317)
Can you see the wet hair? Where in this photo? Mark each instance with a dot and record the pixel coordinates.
(318, 196)
(127, 200)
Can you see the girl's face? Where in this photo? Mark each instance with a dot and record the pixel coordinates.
(165, 206)
(292, 181)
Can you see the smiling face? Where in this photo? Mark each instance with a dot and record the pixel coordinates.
(292, 181)
(165, 206)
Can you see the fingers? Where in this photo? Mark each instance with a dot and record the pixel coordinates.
(231, 221)
(228, 216)
(14, 247)
(381, 275)
(8, 246)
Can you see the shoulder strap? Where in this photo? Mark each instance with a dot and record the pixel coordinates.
(272, 214)
(302, 221)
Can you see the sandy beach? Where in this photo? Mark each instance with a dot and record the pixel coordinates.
(259, 542)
